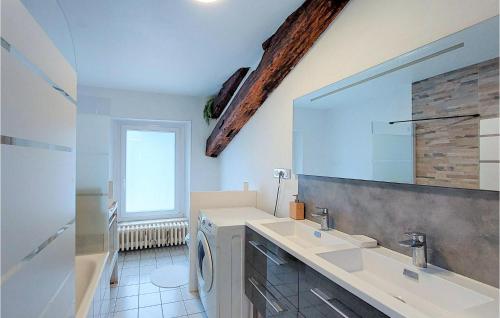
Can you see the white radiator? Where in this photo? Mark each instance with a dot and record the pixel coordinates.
(133, 236)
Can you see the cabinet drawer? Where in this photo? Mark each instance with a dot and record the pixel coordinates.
(278, 268)
(320, 297)
(266, 299)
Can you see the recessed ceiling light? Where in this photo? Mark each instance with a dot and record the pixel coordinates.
(206, 1)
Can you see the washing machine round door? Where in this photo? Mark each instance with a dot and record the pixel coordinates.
(204, 265)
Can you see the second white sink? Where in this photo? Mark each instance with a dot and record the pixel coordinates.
(422, 289)
(303, 235)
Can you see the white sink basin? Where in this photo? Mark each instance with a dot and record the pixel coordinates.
(432, 292)
(303, 235)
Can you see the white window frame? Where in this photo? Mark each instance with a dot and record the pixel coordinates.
(179, 129)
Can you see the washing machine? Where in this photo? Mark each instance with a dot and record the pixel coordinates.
(220, 260)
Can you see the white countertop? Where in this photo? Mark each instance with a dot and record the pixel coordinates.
(234, 216)
(368, 292)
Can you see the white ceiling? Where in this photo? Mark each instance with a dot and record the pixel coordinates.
(174, 46)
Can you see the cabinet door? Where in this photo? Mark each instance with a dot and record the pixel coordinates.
(266, 299)
(320, 297)
(279, 269)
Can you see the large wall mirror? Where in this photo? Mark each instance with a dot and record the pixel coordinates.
(427, 117)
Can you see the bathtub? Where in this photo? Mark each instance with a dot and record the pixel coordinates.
(89, 270)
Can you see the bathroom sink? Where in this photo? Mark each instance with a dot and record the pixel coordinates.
(303, 235)
(429, 290)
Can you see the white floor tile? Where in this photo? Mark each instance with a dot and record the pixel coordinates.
(149, 256)
(193, 306)
(107, 306)
(129, 280)
(148, 288)
(151, 301)
(147, 269)
(199, 315)
(187, 295)
(149, 261)
(130, 271)
(170, 295)
(176, 251)
(113, 292)
(145, 278)
(132, 263)
(163, 252)
(130, 290)
(176, 309)
(132, 259)
(147, 300)
(151, 312)
(127, 303)
(163, 262)
(126, 314)
(179, 257)
(131, 256)
(180, 262)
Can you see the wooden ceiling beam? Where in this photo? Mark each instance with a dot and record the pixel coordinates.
(282, 51)
(227, 91)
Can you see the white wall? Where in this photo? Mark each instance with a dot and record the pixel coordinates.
(124, 104)
(366, 33)
(93, 138)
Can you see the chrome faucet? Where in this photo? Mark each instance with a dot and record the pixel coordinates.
(325, 222)
(418, 245)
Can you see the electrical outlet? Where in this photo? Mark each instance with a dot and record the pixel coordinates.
(286, 173)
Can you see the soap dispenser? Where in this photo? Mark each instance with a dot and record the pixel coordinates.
(297, 208)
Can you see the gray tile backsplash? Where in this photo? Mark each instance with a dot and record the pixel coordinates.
(462, 225)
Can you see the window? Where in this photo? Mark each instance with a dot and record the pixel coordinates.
(152, 171)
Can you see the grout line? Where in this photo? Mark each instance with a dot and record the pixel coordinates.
(185, 308)
(161, 305)
(138, 302)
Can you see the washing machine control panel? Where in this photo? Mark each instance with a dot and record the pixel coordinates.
(206, 225)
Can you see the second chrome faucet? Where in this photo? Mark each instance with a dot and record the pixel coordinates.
(418, 243)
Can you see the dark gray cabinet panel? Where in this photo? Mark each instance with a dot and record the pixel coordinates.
(267, 300)
(275, 271)
(278, 268)
(320, 297)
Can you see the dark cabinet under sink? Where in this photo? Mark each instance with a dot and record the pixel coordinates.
(271, 277)
(320, 297)
(264, 296)
(279, 285)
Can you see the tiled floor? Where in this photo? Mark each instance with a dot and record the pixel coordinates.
(136, 297)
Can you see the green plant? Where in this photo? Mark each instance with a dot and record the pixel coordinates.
(208, 110)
